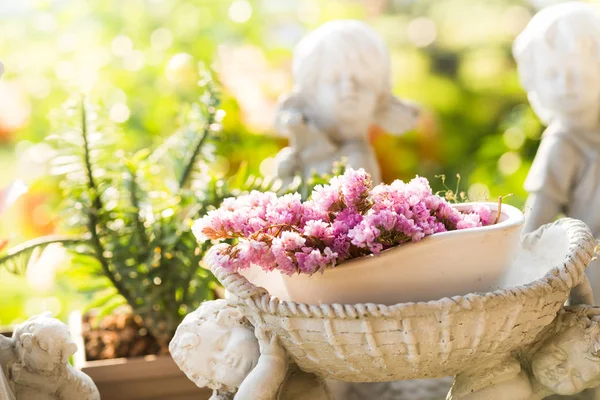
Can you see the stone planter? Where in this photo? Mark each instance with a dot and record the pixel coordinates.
(144, 378)
(481, 338)
(441, 265)
(139, 378)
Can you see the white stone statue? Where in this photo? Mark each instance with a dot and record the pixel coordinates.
(566, 363)
(217, 347)
(35, 362)
(558, 58)
(517, 343)
(342, 85)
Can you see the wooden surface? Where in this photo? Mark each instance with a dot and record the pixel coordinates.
(147, 378)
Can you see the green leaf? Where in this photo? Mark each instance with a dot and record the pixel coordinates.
(16, 259)
(107, 309)
(101, 299)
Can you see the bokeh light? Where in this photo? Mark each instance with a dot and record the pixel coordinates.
(119, 113)
(240, 11)
(161, 39)
(509, 163)
(514, 138)
(422, 31)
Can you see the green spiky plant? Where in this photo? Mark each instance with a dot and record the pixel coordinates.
(130, 214)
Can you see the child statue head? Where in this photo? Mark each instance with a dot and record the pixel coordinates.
(215, 346)
(568, 362)
(43, 344)
(558, 59)
(342, 72)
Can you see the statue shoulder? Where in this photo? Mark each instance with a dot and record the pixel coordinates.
(77, 385)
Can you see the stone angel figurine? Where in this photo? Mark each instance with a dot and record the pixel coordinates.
(565, 361)
(558, 59)
(342, 85)
(35, 363)
(216, 347)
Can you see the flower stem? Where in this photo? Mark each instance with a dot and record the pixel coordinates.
(499, 211)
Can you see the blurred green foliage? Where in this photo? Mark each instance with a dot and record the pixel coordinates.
(138, 59)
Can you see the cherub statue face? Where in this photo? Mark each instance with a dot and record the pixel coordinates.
(558, 58)
(215, 350)
(342, 69)
(46, 345)
(567, 364)
(225, 355)
(567, 84)
(348, 100)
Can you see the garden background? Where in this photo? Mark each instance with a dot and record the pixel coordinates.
(138, 60)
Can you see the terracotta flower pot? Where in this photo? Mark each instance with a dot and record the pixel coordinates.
(441, 265)
(143, 378)
(138, 378)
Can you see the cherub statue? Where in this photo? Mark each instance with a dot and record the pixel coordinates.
(36, 362)
(217, 347)
(565, 362)
(558, 58)
(342, 85)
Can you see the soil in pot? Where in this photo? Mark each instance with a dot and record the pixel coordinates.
(116, 336)
(127, 363)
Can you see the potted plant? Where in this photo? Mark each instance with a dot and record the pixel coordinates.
(129, 220)
(354, 243)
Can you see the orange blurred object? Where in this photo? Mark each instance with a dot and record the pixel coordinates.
(34, 211)
(14, 110)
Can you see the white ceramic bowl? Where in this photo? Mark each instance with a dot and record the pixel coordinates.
(442, 265)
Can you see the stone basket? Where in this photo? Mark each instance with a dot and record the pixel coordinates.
(371, 342)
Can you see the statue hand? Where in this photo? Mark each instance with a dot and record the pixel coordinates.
(291, 121)
(14, 372)
(219, 395)
(269, 343)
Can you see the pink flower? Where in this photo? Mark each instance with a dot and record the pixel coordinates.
(311, 261)
(355, 187)
(219, 255)
(344, 219)
(329, 197)
(484, 212)
(286, 210)
(319, 229)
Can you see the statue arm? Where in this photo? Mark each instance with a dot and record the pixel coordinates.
(266, 379)
(550, 181)
(505, 381)
(540, 209)
(78, 386)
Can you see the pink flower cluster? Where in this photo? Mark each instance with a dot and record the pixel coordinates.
(345, 219)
